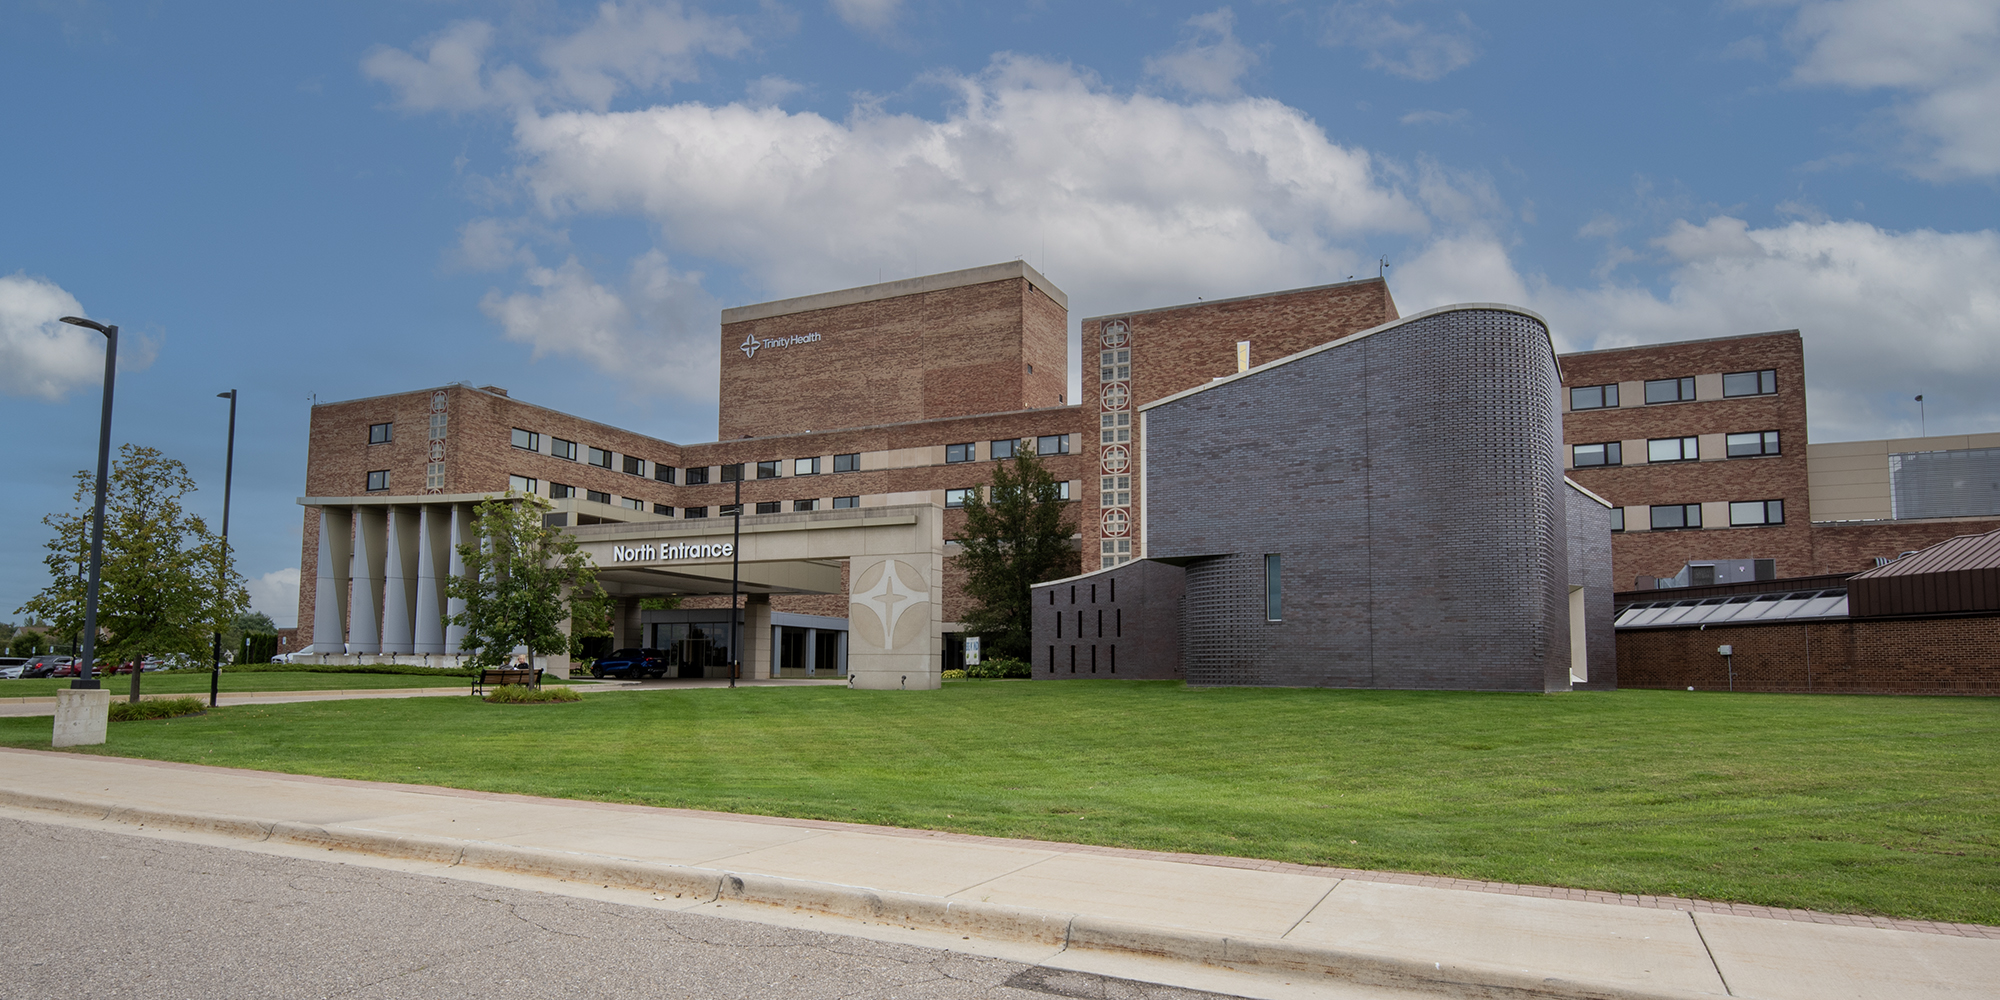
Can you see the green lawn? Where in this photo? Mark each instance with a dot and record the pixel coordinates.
(1856, 804)
(196, 682)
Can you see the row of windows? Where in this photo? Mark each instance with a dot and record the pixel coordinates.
(1047, 444)
(1676, 390)
(1673, 516)
(1751, 444)
(957, 498)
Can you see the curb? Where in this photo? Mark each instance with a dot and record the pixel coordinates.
(989, 920)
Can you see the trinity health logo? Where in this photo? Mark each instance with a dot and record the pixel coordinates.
(751, 344)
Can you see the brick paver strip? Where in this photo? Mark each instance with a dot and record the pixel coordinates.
(1218, 861)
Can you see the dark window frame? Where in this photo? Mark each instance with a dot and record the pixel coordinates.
(1653, 516)
(1617, 519)
(850, 502)
(693, 513)
(805, 506)
(1061, 444)
(594, 452)
(596, 496)
(1682, 442)
(1613, 453)
(534, 439)
(1607, 396)
(1002, 450)
(564, 449)
(955, 454)
(663, 473)
(811, 466)
(850, 462)
(633, 465)
(731, 473)
(697, 475)
(1768, 444)
(770, 469)
(1768, 508)
(663, 510)
(561, 491)
(1766, 379)
(770, 506)
(1684, 390)
(383, 482)
(387, 435)
(963, 495)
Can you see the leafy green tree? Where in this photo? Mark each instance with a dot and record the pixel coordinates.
(165, 587)
(522, 578)
(247, 626)
(1018, 532)
(29, 644)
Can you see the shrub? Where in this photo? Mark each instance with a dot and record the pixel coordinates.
(999, 667)
(521, 694)
(163, 708)
(954, 675)
(352, 668)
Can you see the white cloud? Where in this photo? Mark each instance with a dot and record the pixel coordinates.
(1209, 60)
(1136, 198)
(768, 90)
(868, 15)
(660, 329)
(1942, 55)
(641, 47)
(276, 594)
(40, 356)
(1426, 117)
(1885, 315)
(1410, 49)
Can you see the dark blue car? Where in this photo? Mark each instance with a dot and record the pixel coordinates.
(631, 663)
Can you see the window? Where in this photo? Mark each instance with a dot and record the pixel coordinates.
(600, 458)
(770, 506)
(767, 470)
(523, 485)
(804, 505)
(1114, 428)
(1593, 397)
(1756, 512)
(732, 473)
(842, 503)
(1114, 366)
(954, 453)
(562, 449)
(558, 491)
(1684, 449)
(730, 509)
(1669, 390)
(1608, 453)
(663, 473)
(380, 433)
(635, 466)
(1114, 491)
(1676, 515)
(1753, 443)
(956, 498)
(527, 440)
(1062, 489)
(1762, 383)
(596, 497)
(847, 463)
(694, 512)
(1052, 444)
(698, 476)
(632, 503)
(805, 466)
(378, 481)
(1273, 590)
(663, 510)
(434, 476)
(1617, 519)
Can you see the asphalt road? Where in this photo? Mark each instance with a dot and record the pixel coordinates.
(93, 914)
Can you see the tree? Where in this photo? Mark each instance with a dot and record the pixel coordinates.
(1017, 535)
(25, 643)
(522, 578)
(165, 585)
(245, 627)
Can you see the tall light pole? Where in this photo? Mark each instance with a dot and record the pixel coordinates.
(222, 571)
(735, 575)
(85, 677)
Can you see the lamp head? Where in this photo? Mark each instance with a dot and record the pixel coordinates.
(231, 394)
(90, 324)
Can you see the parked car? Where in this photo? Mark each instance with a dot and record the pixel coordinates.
(11, 667)
(45, 665)
(631, 663)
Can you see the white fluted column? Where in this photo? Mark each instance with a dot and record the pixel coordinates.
(364, 630)
(461, 533)
(331, 577)
(434, 532)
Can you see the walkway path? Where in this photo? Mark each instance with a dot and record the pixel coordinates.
(1330, 933)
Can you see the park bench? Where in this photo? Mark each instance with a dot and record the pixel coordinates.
(506, 675)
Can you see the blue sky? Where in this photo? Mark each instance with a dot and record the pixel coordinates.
(342, 200)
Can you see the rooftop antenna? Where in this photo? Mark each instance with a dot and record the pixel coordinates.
(1921, 432)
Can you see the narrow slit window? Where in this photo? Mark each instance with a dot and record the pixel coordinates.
(1273, 590)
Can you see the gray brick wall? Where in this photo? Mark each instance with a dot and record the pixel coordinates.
(1411, 481)
(1123, 619)
(1590, 565)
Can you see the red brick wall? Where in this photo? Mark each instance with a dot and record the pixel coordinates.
(1866, 656)
(1649, 554)
(945, 353)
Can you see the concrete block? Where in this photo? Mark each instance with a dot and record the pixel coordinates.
(81, 716)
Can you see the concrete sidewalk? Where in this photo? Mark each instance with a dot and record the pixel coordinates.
(1364, 934)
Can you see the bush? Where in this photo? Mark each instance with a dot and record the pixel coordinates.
(999, 667)
(954, 675)
(358, 668)
(521, 694)
(163, 708)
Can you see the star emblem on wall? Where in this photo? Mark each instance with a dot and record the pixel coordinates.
(750, 345)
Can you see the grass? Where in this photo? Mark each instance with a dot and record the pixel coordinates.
(1851, 804)
(196, 682)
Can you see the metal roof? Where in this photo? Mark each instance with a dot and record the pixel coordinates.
(1956, 576)
(1949, 556)
(1740, 610)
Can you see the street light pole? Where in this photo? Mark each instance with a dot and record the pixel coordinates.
(85, 677)
(222, 571)
(735, 576)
